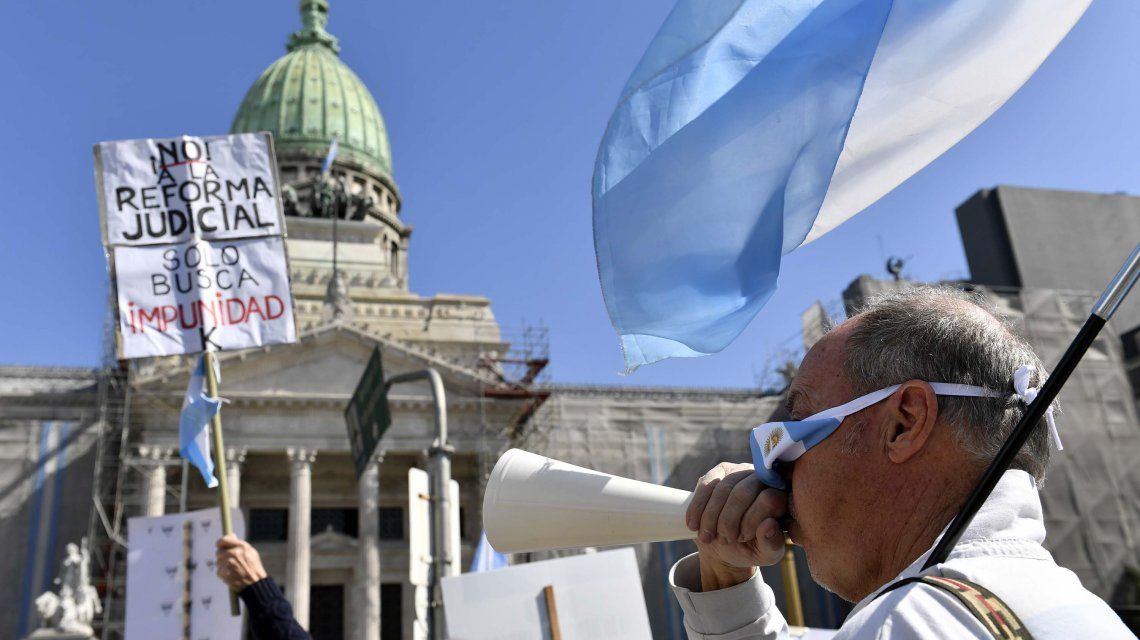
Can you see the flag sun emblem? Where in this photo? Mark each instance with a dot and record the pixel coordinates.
(772, 440)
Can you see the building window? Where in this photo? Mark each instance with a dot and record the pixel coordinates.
(393, 258)
(391, 523)
(268, 525)
(391, 612)
(272, 525)
(342, 521)
(326, 610)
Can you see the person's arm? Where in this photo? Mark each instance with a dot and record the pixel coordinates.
(744, 610)
(719, 587)
(270, 614)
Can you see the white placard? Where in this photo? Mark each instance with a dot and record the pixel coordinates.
(161, 191)
(419, 527)
(156, 574)
(598, 595)
(194, 229)
(234, 291)
(455, 561)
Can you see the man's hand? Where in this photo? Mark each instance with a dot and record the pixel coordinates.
(239, 564)
(735, 517)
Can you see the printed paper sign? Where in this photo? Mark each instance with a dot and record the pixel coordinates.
(196, 237)
(164, 585)
(234, 292)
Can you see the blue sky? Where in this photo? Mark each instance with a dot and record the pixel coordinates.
(494, 110)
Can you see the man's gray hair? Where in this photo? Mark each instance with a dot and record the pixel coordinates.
(944, 334)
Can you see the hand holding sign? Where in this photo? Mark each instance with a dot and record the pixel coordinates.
(195, 235)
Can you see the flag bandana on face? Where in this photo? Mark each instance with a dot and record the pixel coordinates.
(786, 441)
(751, 127)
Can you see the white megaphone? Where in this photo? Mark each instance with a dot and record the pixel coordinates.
(534, 503)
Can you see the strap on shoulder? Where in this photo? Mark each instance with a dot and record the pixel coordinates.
(987, 608)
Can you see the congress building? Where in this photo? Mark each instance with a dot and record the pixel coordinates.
(84, 450)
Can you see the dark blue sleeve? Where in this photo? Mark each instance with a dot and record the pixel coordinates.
(270, 614)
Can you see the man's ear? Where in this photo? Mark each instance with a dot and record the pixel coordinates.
(911, 413)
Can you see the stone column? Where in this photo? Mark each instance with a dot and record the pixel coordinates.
(368, 543)
(300, 529)
(235, 457)
(153, 468)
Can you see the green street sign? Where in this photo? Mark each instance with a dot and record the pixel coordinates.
(367, 414)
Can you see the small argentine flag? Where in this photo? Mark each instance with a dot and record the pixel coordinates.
(751, 127)
(327, 164)
(486, 558)
(194, 426)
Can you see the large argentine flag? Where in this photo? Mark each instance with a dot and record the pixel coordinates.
(198, 409)
(753, 126)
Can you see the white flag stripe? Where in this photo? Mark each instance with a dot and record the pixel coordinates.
(940, 70)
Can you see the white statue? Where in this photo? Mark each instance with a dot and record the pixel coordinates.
(71, 612)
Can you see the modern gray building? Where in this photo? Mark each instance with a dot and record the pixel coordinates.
(1017, 237)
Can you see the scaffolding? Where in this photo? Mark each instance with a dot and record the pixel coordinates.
(116, 484)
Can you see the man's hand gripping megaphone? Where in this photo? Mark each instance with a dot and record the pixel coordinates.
(736, 518)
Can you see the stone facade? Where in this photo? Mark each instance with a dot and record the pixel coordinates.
(49, 430)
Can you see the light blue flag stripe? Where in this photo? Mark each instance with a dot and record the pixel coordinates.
(752, 126)
(193, 428)
(486, 558)
(327, 164)
(690, 220)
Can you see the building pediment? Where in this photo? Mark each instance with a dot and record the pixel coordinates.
(325, 362)
(329, 540)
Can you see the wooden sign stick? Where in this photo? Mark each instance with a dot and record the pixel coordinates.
(220, 457)
(552, 613)
(187, 561)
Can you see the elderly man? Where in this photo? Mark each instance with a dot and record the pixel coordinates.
(868, 502)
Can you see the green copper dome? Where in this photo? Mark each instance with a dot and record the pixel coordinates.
(308, 96)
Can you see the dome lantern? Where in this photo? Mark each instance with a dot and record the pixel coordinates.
(314, 17)
(309, 95)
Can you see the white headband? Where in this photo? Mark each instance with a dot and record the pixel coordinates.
(1028, 394)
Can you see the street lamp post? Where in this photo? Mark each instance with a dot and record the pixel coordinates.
(440, 472)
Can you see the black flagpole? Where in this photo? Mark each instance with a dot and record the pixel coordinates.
(1101, 312)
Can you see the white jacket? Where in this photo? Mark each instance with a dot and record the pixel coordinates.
(1000, 550)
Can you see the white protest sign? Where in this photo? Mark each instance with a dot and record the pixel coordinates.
(194, 228)
(157, 574)
(597, 595)
(237, 291)
(163, 191)
(419, 526)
